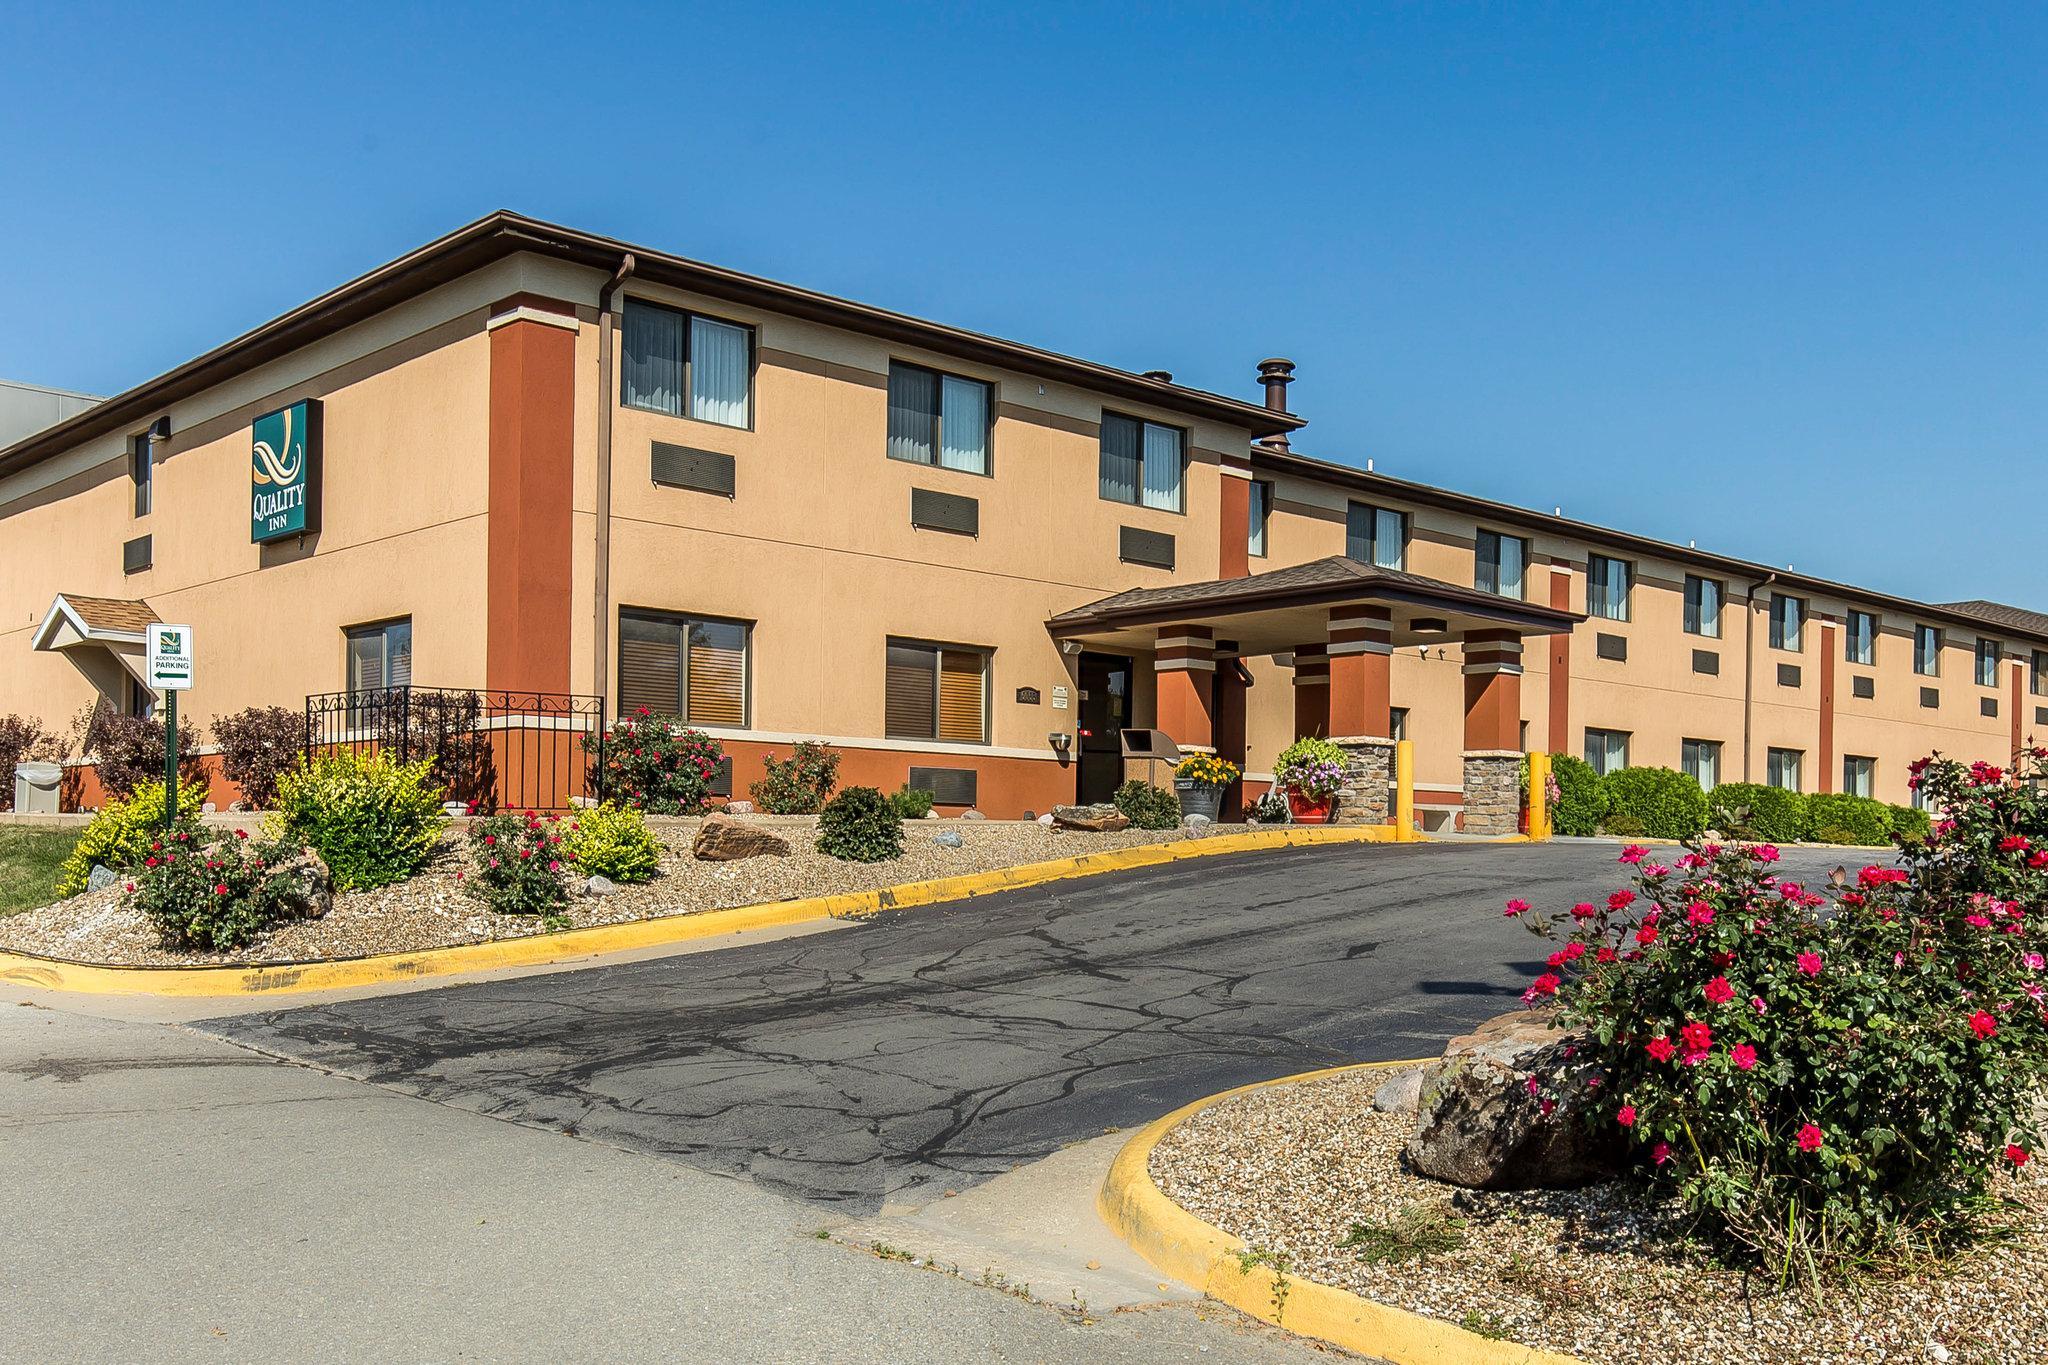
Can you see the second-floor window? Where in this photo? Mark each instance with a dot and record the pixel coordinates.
(1141, 462)
(686, 365)
(1859, 640)
(1261, 506)
(936, 692)
(1702, 606)
(2037, 674)
(1927, 651)
(938, 419)
(1788, 622)
(1988, 655)
(1376, 535)
(1607, 587)
(1500, 561)
(691, 667)
(142, 473)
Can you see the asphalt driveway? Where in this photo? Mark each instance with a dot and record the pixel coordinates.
(931, 1048)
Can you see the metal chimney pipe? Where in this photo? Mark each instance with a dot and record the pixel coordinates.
(1276, 374)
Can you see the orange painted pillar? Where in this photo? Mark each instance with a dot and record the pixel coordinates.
(1311, 691)
(1493, 692)
(1185, 669)
(528, 547)
(2018, 700)
(1560, 739)
(1234, 525)
(1827, 706)
(1361, 687)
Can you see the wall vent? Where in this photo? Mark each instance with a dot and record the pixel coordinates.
(948, 786)
(1863, 687)
(1611, 646)
(1137, 546)
(1706, 661)
(707, 471)
(136, 555)
(936, 511)
(1788, 675)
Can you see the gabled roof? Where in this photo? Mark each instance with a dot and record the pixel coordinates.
(108, 620)
(1999, 614)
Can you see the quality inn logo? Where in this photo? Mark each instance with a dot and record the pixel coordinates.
(283, 448)
(173, 641)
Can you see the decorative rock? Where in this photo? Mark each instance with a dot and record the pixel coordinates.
(972, 814)
(1101, 818)
(1477, 1125)
(454, 809)
(238, 807)
(599, 885)
(1195, 823)
(100, 878)
(311, 883)
(205, 807)
(931, 815)
(739, 808)
(948, 838)
(1400, 1095)
(723, 839)
(1046, 820)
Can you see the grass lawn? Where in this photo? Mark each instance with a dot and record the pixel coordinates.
(29, 859)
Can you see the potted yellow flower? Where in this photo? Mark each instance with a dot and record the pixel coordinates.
(1199, 781)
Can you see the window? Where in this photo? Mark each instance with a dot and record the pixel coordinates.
(141, 700)
(1141, 462)
(1397, 722)
(1376, 535)
(1261, 512)
(1788, 622)
(1781, 768)
(1859, 775)
(686, 365)
(141, 473)
(380, 656)
(1859, 641)
(936, 692)
(1989, 652)
(1703, 606)
(1607, 582)
(938, 419)
(1500, 560)
(1701, 758)
(1927, 651)
(2037, 673)
(686, 666)
(1607, 750)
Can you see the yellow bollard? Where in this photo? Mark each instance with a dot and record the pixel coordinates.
(1539, 796)
(1404, 791)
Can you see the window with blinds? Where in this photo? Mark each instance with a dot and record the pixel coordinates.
(380, 656)
(936, 692)
(693, 668)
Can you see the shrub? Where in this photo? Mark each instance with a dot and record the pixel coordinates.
(258, 746)
(798, 785)
(1751, 810)
(655, 763)
(613, 841)
(214, 896)
(1839, 818)
(1268, 808)
(1824, 1077)
(516, 864)
(1910, 824)
(859, 826)
(1147, 806)
(119, 836)
(374, 821)
(129, 750)
(1624, 826)
(1581, 800)
(911, 803)
(1664, 804)
(22, 739)
(1311, 768)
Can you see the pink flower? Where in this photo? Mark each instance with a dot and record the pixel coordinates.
(1535, 1087)
(1718, 991)
(1626, 1116)
(1764, 853)
(1983, 1025)
(1809, 963)
(1546, 1107)
(1756, 1002)
(1634, 853)
(1811, 1138)
(1743, 1055)
(553, 865)
(1517, 906)
(1661, 1153)
(1977, 921)
(1699, 913)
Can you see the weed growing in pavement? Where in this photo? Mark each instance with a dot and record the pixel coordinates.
(1490, 1325)
(1415, 1234)
(1251, 1258)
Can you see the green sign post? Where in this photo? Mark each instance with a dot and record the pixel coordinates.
(284, 473)
(169, 665)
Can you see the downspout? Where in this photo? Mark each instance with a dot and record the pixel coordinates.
(601, 635)
(1749, 663)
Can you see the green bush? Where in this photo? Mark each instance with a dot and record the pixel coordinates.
(215, 897)
(516, 865)
(1581, 800)
(1839, 818)
(1911, 825)
(1268, 808)
(1751, 810)
(373, 821)
(860, 826)
(1624, 826)
(613, 841)
(798, 785)
(1147, 806)
(120, 834)
(911, 803)
(1665, 804)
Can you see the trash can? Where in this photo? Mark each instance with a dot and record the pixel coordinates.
(35, 787)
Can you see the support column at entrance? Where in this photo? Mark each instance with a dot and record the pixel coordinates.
(1493, 732)
(1227, 723)
(1185, 669)
(1361, 710)
(1311, 691)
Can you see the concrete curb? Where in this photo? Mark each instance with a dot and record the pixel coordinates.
(1182, 1246)
(281, 978)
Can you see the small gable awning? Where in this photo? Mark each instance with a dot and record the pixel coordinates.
(105, 638)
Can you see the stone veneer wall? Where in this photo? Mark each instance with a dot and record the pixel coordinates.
(1493, 791)
(1368, 776)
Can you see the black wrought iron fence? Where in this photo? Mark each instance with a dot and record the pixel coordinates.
(495, 750)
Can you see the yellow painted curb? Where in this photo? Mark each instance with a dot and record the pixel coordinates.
(26, 969)
(1182, 1246)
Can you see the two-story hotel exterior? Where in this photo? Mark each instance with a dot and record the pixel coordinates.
(537, 459)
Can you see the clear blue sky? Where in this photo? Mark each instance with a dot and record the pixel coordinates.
(1769, 278)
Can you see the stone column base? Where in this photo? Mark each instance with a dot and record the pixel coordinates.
(1365, 799)
(1493, 791)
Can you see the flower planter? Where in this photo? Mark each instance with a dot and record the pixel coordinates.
(1308, 810)
(1198, 798)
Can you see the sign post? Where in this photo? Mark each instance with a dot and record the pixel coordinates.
(170, 672)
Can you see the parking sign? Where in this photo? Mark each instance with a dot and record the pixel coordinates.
(170, 658)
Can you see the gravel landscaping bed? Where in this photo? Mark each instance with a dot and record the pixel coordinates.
(1292, 1169)
(434, 910)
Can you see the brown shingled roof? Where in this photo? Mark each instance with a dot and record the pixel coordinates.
(1999, 614)
(113, 613)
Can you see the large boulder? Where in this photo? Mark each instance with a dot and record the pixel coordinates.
(311, 884)
(723, 839)
(1101, 818)
(1477, 1124)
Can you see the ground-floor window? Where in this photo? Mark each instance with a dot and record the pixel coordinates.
(694, 667)
(936, 691)
(141, 701)
(1859, 775)
(1607, 750)
(1781, 768)
(1701, 758)
(380, 655)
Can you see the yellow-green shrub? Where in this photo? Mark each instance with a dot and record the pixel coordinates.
(613, 841)
(371, 820)
(119, 836)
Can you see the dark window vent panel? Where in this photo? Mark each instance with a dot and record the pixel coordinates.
(1930, 697)
(2041, 715)
(1987, 706)
(721, 781)
(707, 471)
(1863, 687)
(1136, 546)
(136, 555)
(1706, 661)
(936, 511)
(1788, 675)
(948, 786)
(1611, 646)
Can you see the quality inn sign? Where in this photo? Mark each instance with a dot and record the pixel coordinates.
(284, 472)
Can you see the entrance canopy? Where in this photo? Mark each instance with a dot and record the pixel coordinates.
(104, 637)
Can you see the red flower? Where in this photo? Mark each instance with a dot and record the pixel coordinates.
(1660, 1048)
(1573, 951)
(2016, 1154)
(1718, 991)
(1811, 1138)
(1621, 900)
(1626, 1116)
(129, 887)
(1983, 1025)
(1545, 984)
(220, 889)
(1517, 906)
(1699, 913)
(1604, 955)
(1661, 1153)
(1634, 853)
(1809, 963)
(1647, 935)
(2012, 843)
(1583, 910)
(1743, 1055)
(1697, 1037)
(241, 834)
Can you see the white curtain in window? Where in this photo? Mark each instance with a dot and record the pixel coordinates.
(964, 425)
(1162, 467)
(1119, 459)
(913, 409)
(652, 375)
(1508, 573)
(718, 372)
(1255, 536)
(1386, 538)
